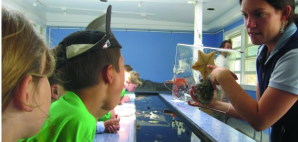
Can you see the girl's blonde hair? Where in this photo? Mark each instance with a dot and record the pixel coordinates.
(135, 78)
(23, 50)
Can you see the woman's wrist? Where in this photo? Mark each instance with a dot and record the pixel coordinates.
(213, 104)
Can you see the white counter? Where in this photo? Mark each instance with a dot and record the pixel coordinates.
(127, 132)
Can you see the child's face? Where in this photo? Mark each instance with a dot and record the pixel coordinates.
(131, 87)
(42, 97)
(117, 86)
(127, 76)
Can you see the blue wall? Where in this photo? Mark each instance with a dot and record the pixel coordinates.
(152, 54)
(210, 40)
(58, 34)
(234, 25)
(149, 53)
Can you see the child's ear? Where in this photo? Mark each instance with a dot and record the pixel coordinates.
(54, 91)
(23, 97)
(107, 74)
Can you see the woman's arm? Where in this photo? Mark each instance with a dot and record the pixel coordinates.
(260, 114)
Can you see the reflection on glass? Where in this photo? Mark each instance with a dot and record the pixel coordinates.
(236, 55)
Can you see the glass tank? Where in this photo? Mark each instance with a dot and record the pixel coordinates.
(190, 69)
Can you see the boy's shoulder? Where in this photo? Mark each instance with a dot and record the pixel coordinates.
(70, 105)
(68, 117)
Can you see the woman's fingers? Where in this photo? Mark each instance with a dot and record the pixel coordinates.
(212, 66)
(234, 75)
(192, 93)
(216, 70)
(197, 104)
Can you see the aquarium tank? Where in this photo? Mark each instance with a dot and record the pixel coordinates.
(190, 70)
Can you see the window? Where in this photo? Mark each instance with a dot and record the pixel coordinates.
(235, 58)
(244, 64)
(250, 75)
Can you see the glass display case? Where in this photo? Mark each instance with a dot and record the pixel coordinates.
(184, 74)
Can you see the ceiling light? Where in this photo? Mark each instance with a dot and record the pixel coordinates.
(210, 9)
(35, 3)
(191, 1)
(140, 4)
(103, 0)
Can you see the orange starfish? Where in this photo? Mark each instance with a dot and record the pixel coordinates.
(202, 62)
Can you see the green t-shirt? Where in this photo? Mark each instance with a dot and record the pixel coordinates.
(105, 117)
(68, 121)
(123, 93)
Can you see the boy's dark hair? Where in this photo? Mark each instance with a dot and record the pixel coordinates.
(83, 55)
(54, 80)
(84, 71)
(222, 45)
(135, 78)
(127, 68)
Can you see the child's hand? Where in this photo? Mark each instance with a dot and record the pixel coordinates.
(112, 125)
(117, 118)
(112, 129)
(126, 98)
(121, 101)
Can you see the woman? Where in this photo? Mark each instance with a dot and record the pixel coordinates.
(269, 23)
(26, 63)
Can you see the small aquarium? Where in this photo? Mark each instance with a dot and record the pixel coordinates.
(192, 75)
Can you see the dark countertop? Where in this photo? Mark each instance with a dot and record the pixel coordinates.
(203, 125)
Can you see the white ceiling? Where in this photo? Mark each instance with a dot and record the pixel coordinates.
(154, 14)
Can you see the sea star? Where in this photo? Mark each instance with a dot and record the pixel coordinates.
(202, 62)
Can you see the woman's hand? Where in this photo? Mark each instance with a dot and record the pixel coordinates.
(218, 72)
(191, 92)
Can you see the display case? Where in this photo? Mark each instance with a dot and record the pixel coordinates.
(184, 74)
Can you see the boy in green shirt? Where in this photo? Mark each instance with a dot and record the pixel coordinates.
(90, 66)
